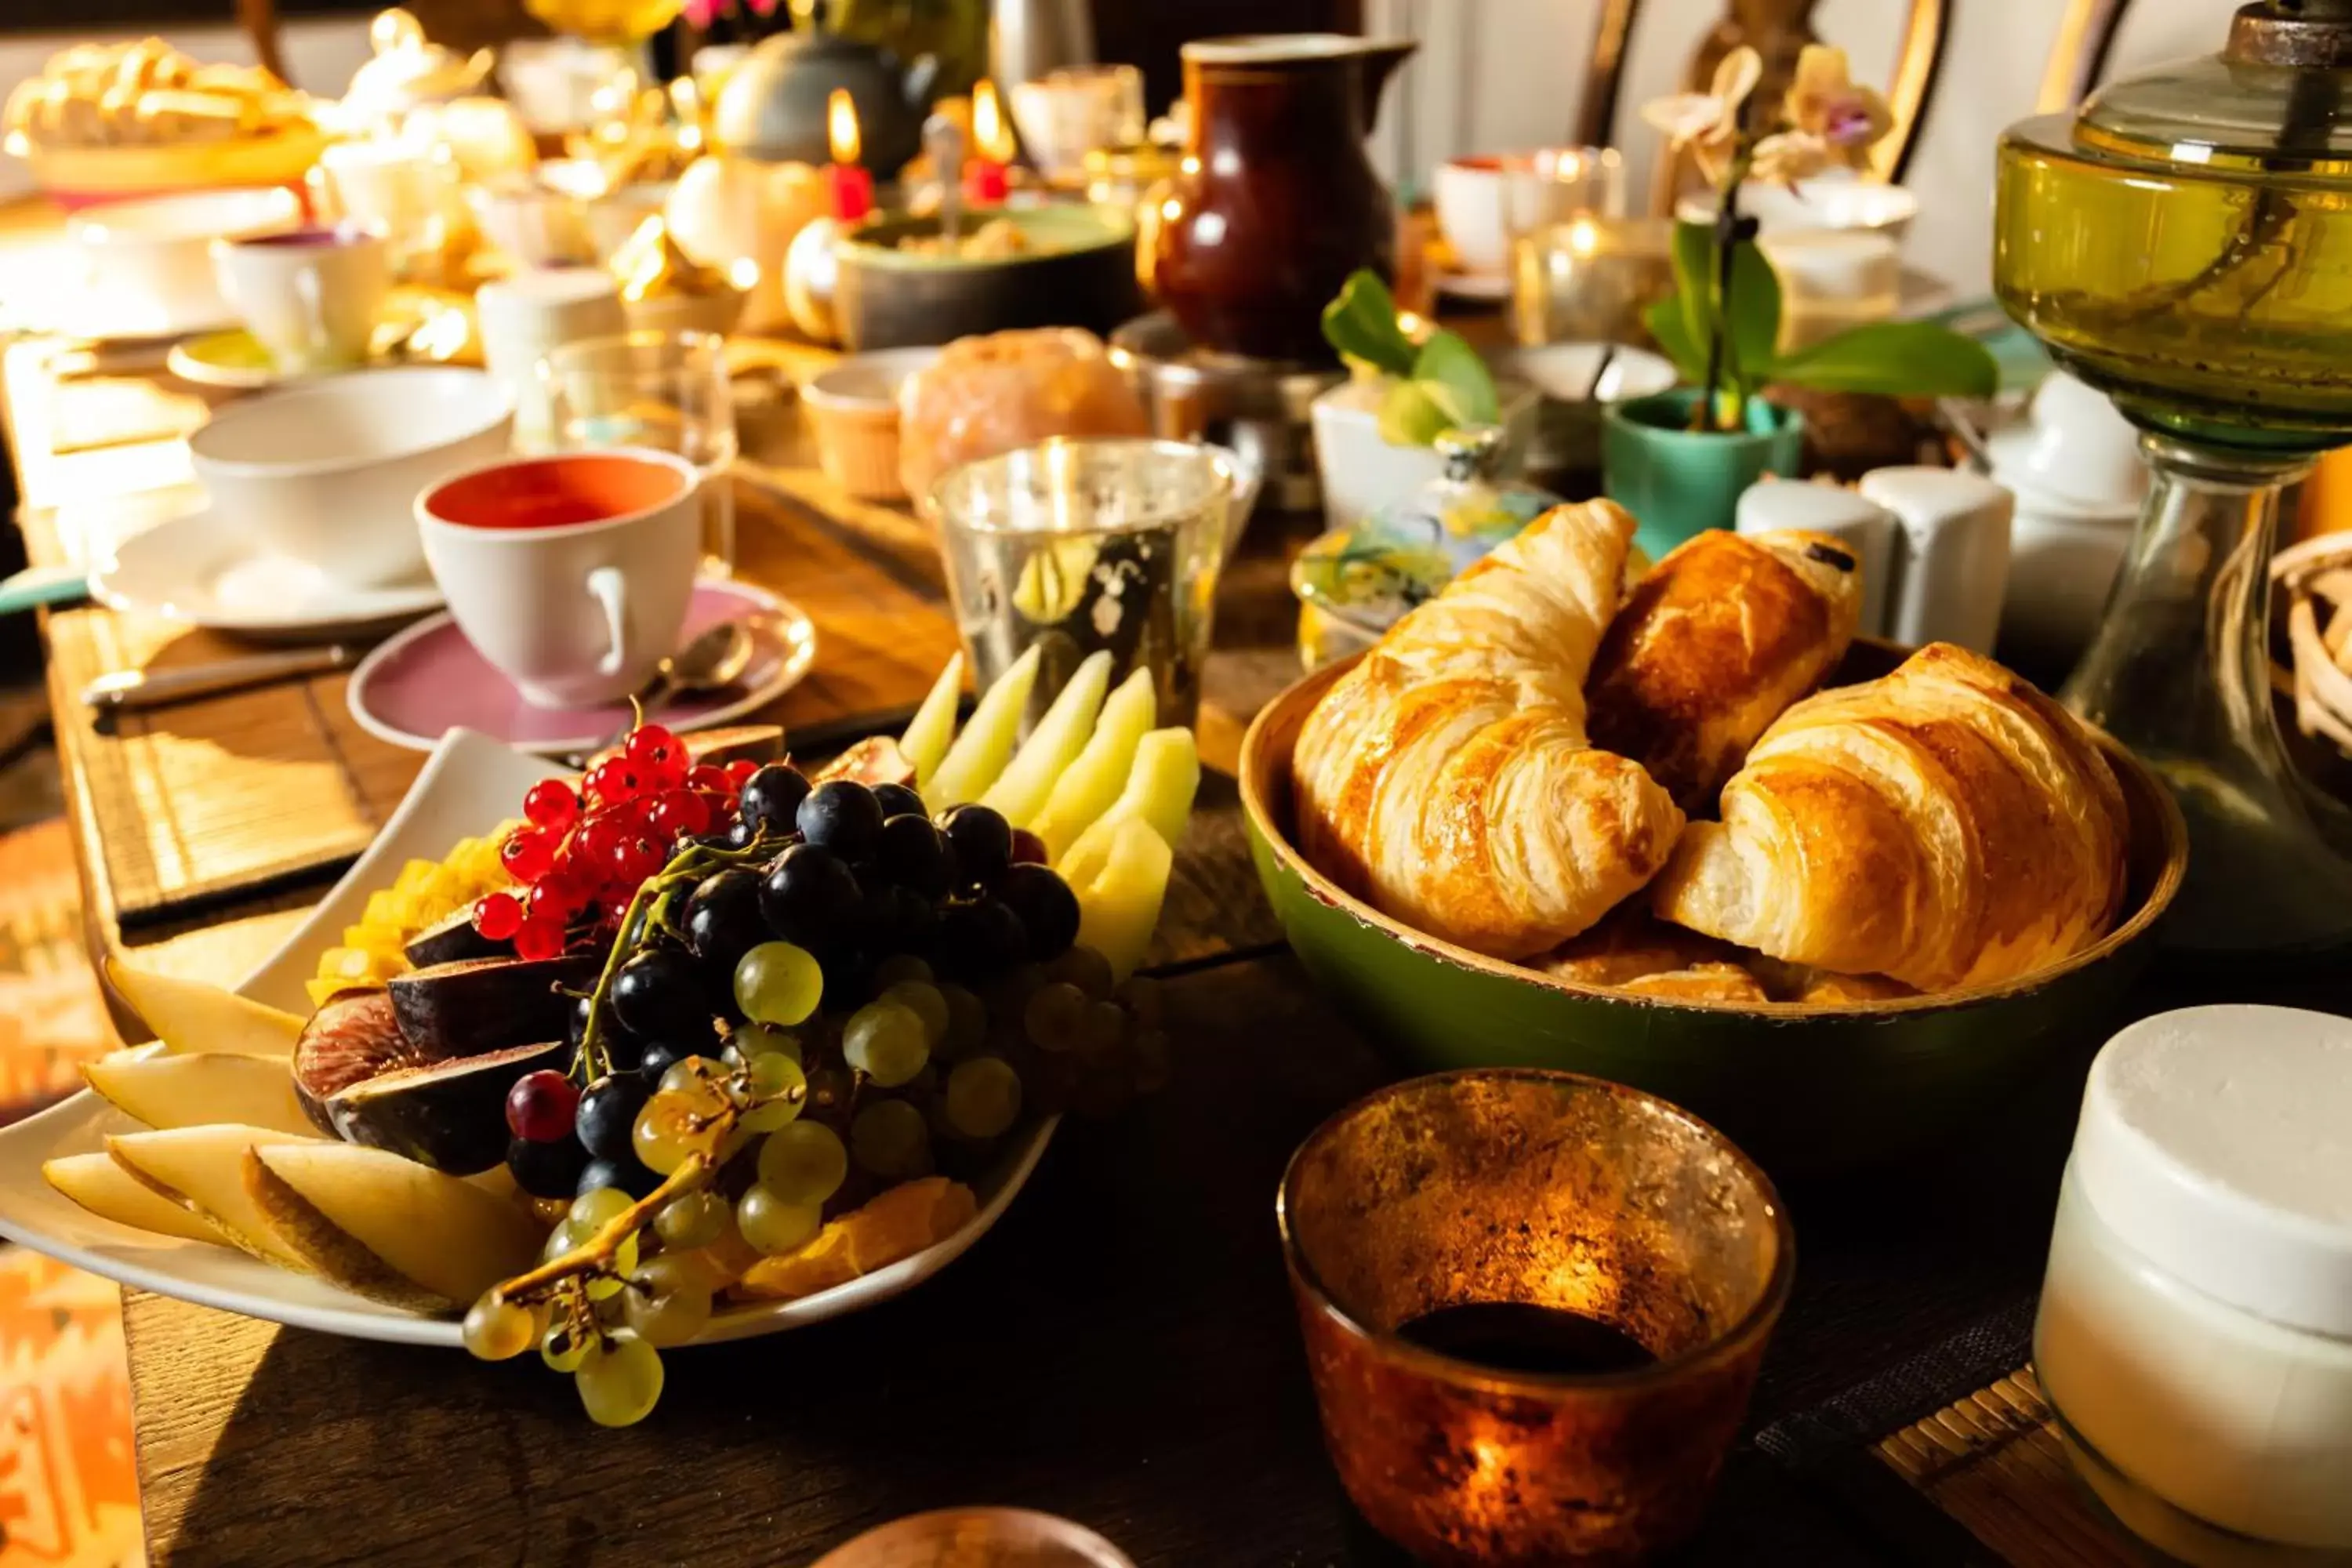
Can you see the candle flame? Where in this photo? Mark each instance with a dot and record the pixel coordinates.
(1583, 238)
(988, 129)
(841, 126)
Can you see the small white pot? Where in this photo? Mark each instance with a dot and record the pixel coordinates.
(1360, 473)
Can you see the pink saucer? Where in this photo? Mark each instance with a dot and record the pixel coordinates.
(428, 680)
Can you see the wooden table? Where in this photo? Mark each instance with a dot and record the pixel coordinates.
(1120, 1349)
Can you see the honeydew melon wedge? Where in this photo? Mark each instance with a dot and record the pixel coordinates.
(388, 1228)
(979, 754)
(190, 1015)
(1159, 793)
(204, 1086)
(106, 1190)
(926, 738)
(202, 1169)
(1120, 875)
(1092, 782)
(1019, 791)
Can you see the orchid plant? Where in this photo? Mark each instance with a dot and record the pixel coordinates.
(1722, 325)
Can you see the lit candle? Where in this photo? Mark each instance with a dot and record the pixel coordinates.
(984, 177)
(848, 181)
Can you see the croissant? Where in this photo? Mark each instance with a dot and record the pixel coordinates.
(1945, 826)
(1446, 778)
(1721, 636)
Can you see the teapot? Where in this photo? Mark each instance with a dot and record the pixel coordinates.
(773, 105)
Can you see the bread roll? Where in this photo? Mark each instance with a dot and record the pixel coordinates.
(1721, 636)
(1947, 825)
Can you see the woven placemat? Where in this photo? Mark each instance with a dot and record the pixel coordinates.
(1952, 1458)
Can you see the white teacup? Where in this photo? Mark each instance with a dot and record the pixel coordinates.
(1485, 201)
(570, 574)
(310, 296)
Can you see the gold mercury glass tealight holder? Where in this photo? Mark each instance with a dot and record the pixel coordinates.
(1078, 545)
(1534, 1306)
(1590, 279)
(2185, 245)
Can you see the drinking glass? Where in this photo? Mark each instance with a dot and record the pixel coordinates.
(664, 390)
(1065, 115)
(1536, 1190)
(1074, 545)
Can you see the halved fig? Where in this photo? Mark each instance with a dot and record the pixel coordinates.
(353, 1037)
(448, 1114)
(452, 939)
(477, 1005)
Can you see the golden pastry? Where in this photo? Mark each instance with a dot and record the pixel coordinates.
(1947, 825)
(1629, 945)
(1446, 779)
(1721, 636)
(1700, 983)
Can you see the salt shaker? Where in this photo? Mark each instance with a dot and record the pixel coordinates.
(1952, 561)
(2195, 1333)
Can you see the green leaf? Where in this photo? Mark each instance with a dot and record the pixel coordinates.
(1410, 418)
(1752, 315)
(1361, 323)
(1694, 256)
(1906, 359)
(1450, 371)
(1664, 320)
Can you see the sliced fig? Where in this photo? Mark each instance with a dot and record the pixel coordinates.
(477, 1005)
(875, 760)
(352, 1038)
(448, 1114)
(450, 940)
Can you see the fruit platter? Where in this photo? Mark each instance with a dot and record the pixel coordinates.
(696, 1046)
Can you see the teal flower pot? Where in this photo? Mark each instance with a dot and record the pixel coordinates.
(1678, 481)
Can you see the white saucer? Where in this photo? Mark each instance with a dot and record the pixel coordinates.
(1475, 285)
(197, 568)
(66, 305)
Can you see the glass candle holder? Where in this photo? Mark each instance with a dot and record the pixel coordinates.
(1534, 1305)
(1076, 545)
(1589, 280)
(669, 391)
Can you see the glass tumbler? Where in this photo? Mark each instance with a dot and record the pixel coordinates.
(664, 390)
(1074, 545)
(1522, 1190)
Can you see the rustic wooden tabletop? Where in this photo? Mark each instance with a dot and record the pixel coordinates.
(1120, 1349)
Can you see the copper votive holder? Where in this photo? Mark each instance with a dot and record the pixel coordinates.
(1556, 1190)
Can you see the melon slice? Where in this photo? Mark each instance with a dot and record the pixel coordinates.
(106, 1190)
(202, 1170)
(199, 1088)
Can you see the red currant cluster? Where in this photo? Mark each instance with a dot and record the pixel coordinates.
(580, 858)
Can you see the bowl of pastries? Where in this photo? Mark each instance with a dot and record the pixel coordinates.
(1688, 833)
(107, 120)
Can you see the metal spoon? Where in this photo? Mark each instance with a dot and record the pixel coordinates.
(718, 657)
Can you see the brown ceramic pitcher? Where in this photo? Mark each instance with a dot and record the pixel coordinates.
(1276, 204)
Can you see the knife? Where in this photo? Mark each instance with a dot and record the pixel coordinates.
(138, 690)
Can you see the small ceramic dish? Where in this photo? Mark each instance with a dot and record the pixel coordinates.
(853, 416)
(1362, 470)
(1804, 1087)
(468, 786)
(1818, 204)
(1574, 386)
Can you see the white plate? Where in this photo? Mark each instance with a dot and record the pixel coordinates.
(196, 567)
(68, 306)
(469, 785)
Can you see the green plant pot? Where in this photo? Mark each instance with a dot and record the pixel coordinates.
(1678, 481)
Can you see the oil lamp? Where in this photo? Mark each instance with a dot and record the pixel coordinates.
(2185, 244)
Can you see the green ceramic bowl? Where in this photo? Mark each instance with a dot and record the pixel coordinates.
(1804, 1087)
(1081, 274)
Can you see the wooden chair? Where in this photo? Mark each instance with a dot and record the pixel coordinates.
(259, 20)
(1778, 30)
(2087, 36)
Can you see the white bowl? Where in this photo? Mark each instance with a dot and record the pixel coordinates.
(156, 252)
(2073, 446)
(1361, 472)
(1567, 425)
(329, 472)
(1816, 203)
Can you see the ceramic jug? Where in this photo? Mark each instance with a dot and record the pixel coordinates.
(1276, 204)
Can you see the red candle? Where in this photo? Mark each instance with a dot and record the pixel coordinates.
(986, 180)
(847, 182)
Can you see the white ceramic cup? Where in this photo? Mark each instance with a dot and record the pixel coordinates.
(152, 254)
(1485, 201)
(570, 573)
(410, 191)
(310, 296)
(526, 316)
(328, 472)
